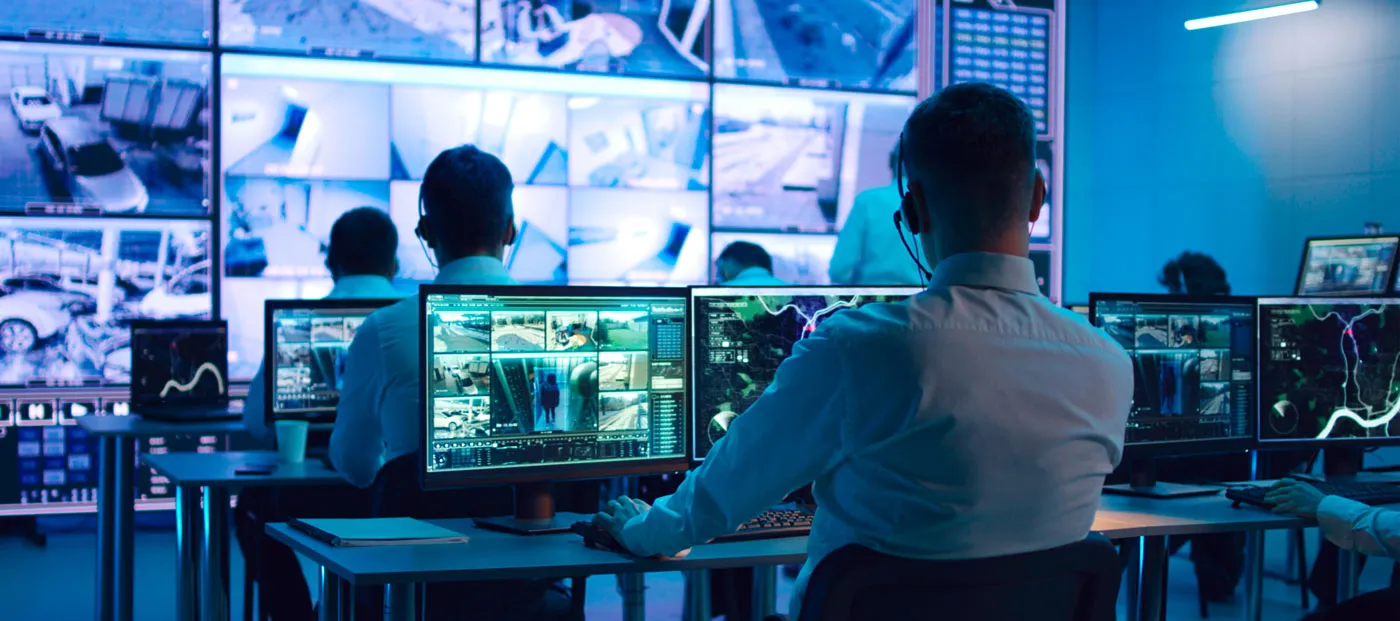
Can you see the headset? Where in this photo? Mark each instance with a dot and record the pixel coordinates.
(418, 230)
(901, 187)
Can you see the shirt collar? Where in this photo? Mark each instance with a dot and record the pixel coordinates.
(363, 286)
(477, 270)
(987, 270)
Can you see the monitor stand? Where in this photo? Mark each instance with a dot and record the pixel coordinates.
(1143, 483)
(534, 513)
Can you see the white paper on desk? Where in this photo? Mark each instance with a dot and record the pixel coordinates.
(351, 533)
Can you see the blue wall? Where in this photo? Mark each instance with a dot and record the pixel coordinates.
(1238, 141)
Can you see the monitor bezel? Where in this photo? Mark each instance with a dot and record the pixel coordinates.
(1177, 448)
(698, 292)
(178, 324)
(269, 383)
(564, 471)
(1307, 251)
(1309, 443)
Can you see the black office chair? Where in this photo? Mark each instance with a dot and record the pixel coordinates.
(1077, 582)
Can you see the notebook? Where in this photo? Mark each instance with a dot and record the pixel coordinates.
(350, 533)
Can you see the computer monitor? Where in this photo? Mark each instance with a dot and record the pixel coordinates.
(179, 363)
(1346, 266)
(1327, 372)
(529, 385)
(1193, 377)
(304, 362)
(741, 335)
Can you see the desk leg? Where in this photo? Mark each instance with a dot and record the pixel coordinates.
(765, 592)
(1153, 578)
(213, 592)
(1132, 562)
(106, 528)
(330, 596)
(401, 602)
(634, 596)
(1348, 574)
(1254, 575)
(697, 585)
(124, 482)
(189, 529)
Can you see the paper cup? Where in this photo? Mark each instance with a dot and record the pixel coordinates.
(291, 440)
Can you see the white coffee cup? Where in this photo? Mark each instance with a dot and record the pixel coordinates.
(291, 440)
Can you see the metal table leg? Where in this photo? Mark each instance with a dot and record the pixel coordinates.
(106, 527)
(1132, 553)
(1348, 574)
(400, 602)
(189, 529)
(330, 596)
(634, 596)
(1254, 575)
(124, 482)
(765, 592)
(697, 584)
(213, 592)
(1152, 577)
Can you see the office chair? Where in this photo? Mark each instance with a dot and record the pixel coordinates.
(1076, 582)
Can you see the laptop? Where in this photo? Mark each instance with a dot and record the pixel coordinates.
(179, 370)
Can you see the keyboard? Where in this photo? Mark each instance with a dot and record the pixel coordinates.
(772, 524)
(1369, 493)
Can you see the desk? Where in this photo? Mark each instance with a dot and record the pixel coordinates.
(208, 479)
(116, 489)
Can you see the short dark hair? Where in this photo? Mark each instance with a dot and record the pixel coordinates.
(363, 241)
(1194, 273)
(747, 255)
(973, 146)
(467, 198)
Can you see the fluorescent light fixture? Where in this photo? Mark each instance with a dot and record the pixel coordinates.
(1249, 16)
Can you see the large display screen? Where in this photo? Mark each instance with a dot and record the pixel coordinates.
(159, 22)
(96, 130)
(635, 37)
(419, 30)
(1008, 47)
(836, 43)
(1348, 266)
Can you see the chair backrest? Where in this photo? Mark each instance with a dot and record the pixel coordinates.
(1076, 582)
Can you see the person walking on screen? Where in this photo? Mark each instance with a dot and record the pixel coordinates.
(744, 264)
(864, 247)
(549, 397)
(910, 418)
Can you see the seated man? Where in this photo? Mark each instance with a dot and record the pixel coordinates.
(361, 260)
(976, 419)
(742, 264)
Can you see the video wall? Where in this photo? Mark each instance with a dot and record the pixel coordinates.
(160, 164)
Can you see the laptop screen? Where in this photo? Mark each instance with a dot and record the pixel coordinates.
(179, 363)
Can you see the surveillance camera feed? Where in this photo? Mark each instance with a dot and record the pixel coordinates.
(528, 380)
(638, 237)
(1008, 47)
(634, 37)
(98, 131)
(404, 29)
(743, 334)
(797, 259)
(311, 339)
(180, 22)
(864, 44)
(1328, 369)
(1355, 266)
(1193, 366)
(793, 160)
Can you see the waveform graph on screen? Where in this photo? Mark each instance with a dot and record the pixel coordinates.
(1332, 370)
(181, 365)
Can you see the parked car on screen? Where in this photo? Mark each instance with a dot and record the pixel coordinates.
(186, 294)
(89, 167)
(32, 106)
(28, 317)
(74, 302)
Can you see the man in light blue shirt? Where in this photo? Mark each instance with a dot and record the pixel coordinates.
(976, 419)
(865, 247)
(745, 264)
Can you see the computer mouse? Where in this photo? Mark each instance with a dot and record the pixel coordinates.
(595, 536)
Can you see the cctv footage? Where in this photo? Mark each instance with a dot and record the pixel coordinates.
(639, 143)
(406, 29)
(646, 37)
(797, 259)
(69, 288)
(304, 129)
(528, 131)
(103, 131)
(181, 22)
(281, 227)
(638, 237)
(868, 44)
(793, 161)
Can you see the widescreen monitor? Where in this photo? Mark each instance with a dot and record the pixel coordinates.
(535, 384)
(652, 37)
(741, 335)
(1193, 369)
(1327, 371)
(1344, 266)
(104, 130)
(307, 342)
(430, 30)
(185, 23)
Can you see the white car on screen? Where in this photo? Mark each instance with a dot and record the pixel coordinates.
(27, 317)
(186, 294)
(32, 106)
(92, 170)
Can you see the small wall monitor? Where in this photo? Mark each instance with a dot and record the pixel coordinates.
(307, 342)
(1327, 371)
(186, 23)
(1345, 266)
(529, 385)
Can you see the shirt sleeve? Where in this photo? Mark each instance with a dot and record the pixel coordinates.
(357, 442)
(1356, 526)
(850, 245)
(254, 420)
(788, 438)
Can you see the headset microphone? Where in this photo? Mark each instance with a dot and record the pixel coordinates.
(899, 229)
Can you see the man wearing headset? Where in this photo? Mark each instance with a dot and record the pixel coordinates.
(976, 419)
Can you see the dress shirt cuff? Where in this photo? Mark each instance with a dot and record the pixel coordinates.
(1336, 516)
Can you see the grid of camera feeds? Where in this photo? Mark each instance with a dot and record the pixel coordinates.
(1353, 266)
(1193, 365)
(1327, 369)
(531, 380)
(308, 349)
